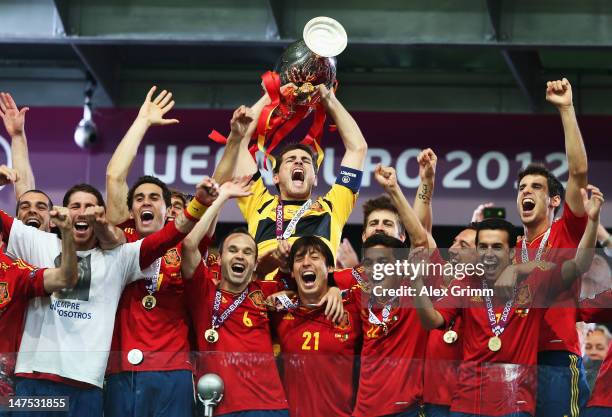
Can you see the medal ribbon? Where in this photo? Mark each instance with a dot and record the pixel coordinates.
(357, 276)
(497, 327)
(218, 321)
(280, 217)
(154, 282)
(525, 252)
(385, 314)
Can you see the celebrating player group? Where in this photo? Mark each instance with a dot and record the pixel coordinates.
(117, 304)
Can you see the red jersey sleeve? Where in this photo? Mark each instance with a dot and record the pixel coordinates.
(156, 245)
(30, 280)
(197, 287)
(7, 223)
(574, 226)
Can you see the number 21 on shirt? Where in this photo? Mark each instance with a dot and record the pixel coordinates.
(308, 338)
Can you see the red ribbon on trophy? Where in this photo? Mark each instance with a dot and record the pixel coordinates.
(303, 66)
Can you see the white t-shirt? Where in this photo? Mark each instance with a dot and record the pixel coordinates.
(69, 334)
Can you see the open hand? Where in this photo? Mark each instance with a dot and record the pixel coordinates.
(153, 110)
(13, 118)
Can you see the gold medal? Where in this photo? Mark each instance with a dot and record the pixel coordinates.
(211, 335)
(450, 337)
(495, 344)
(149, 302)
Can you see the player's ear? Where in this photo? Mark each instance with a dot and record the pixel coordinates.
(275, 179)
(512, 253)
(315, 180)
(555, 201)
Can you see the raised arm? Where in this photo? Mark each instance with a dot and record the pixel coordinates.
(14, 122)
(151, 114)
(66, 276)
(352, 138)
(427, 160)
(559, 93)
(586, 249)
(156, 245)
(386, 177)
(238, 187)
(109, 236)
(235, 159)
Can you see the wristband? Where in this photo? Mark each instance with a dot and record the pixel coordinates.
(604, 243)
(195, 210)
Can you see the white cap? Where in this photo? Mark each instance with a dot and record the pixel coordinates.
(135, 356)
(325, 36)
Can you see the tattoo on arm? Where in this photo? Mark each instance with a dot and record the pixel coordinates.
(424, 193)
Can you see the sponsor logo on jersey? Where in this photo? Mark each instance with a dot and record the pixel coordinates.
(172, 257)
(288, 316)
(5, 297)
(342, 337)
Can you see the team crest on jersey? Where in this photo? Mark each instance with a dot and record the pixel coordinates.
(345, 322)
(4, 266)
(172, 257)
(258, 299)
(476, 299)
(212, 259)
(5, 297)
(523, 296)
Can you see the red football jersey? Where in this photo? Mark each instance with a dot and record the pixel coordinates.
(161, 333)
(19, 282)
(599, 309)
(442, 359)
(347, 278)
(318, 360)
(243, 355)
(391, 378)
(559, 332)
(502, 382)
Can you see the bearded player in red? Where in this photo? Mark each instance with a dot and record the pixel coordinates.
(562, 387)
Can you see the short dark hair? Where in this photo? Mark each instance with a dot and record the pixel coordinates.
(311, 242)
(554, 185)
(498, 224)
(379, 239)
(380, 203)
(237, 231)
(85, 188)
(291, 147)
(149, 179)
(33, 191)
(179, 195)
(471, 226)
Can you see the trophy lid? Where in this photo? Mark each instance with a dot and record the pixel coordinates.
(325, 36)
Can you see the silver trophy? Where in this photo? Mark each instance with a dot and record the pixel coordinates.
(311, 61)
(210, 392)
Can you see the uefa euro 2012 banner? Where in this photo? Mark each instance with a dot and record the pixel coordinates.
(478, 154)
